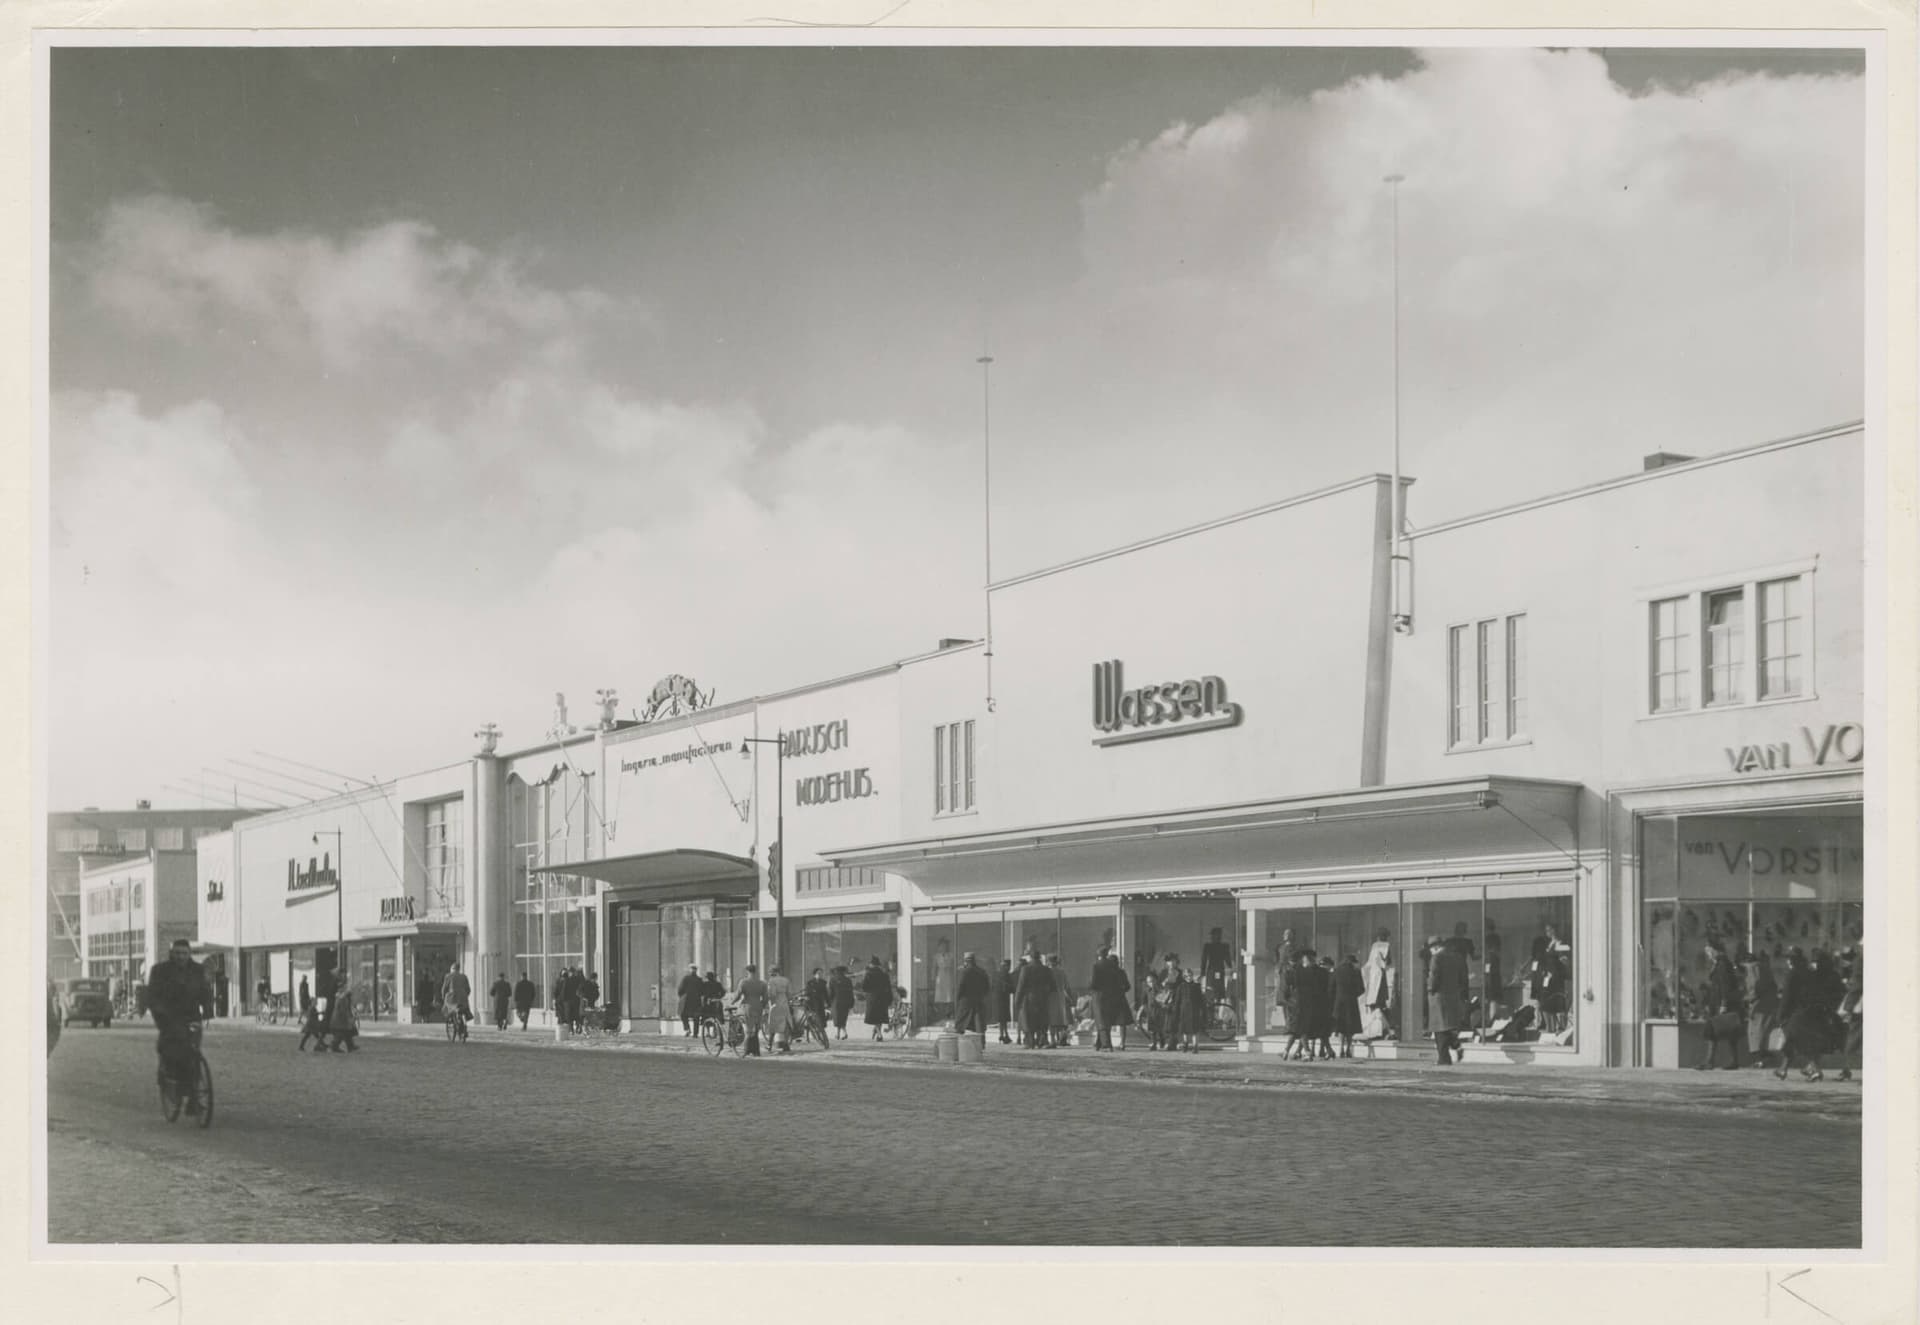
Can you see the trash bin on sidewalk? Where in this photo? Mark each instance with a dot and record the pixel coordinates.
(946, 1049)
(972, 1046)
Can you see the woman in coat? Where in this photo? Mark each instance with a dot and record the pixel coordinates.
(1802, 1018)
(1349, 996)
(877, 987)
(1000, 993)
(1763, 1003)
(1186, 1009)
(1059, 1004)
(780, 1010)
(815, 995)
(841, 998)
(1312, 998)
(1032, 1001)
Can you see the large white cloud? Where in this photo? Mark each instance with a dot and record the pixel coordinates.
(1586, 275)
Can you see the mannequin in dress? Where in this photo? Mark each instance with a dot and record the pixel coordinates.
(943, 981)
(1377, 986)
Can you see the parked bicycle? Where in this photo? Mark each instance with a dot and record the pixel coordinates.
(271, 1011)
(1223, 1019)
(191, 1080)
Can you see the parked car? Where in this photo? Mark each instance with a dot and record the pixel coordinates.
(86, 1000)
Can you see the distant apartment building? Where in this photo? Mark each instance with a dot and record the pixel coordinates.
(80, 840)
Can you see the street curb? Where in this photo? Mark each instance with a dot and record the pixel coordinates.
(1828, 1102)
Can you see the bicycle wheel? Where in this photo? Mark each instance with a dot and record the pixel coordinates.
(452, 1032)
(1224, 1024)
(712, 1039)
(817, 1028)
(205, 1087)
(737, 1036)
(170, 1099)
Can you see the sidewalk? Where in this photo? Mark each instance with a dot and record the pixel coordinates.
(1749, 1090)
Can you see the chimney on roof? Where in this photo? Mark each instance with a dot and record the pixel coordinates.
(143, 805)
(1661, 459)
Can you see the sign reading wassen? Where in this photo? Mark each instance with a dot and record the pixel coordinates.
(1168, 708)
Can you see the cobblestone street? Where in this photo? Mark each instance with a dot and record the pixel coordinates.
(414, 1140)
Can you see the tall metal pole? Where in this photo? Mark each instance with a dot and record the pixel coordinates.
(1402, 619)
(986, 502)
(780, 846)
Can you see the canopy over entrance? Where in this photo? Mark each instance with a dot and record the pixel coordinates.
(678, 875)
(1434, 825)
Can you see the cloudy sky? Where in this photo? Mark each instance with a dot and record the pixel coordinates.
(396, 390)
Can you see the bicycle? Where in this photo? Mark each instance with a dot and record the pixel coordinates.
(810, 1025)
(456, 1027)
(173, 1098)
(723, 1030)
(272, 1011)
(1223, 1019)
(900, 1020)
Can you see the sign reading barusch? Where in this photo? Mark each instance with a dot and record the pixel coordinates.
(1166, 708)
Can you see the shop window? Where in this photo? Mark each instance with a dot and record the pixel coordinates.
(1486, 685)
(1757, 886)
(1529, 980)
(953, 780)
(1740, 657)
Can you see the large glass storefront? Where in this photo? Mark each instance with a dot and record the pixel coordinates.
(1759, 886)
(1517, 939)
(652, 946)
(1144, 931)
(838, 938)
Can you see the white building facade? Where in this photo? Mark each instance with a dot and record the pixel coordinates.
(1624, 720)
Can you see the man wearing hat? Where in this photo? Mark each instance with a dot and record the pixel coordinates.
(178, 995)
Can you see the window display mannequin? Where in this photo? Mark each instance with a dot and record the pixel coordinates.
(1216, 955)
(942, 980)
(1376, 997)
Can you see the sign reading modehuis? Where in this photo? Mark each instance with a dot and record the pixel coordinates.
(1165, 708)
(1839, 743)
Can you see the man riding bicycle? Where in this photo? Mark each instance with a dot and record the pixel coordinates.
(179, 996)
(454, 993)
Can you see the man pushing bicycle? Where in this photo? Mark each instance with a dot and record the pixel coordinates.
(179, 998)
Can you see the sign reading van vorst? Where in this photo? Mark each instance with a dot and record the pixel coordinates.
(1166, 708)
(1840, 743)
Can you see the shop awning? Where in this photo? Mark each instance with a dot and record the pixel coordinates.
(678, 875)
(409, 928)
(1458, 822)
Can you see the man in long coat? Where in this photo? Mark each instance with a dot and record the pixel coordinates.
(1110, 984)
(1033, 1001)
(689, 992)
(523, 995)
(1447, 998)
(970, 998)
(502, 995)
(753, 1007)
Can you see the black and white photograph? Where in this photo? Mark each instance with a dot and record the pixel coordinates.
(803, 643)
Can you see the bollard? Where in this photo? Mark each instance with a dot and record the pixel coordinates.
(946, 1049)
(971, 1047)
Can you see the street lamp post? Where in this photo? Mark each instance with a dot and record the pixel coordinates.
(339, 908)
(776, 875)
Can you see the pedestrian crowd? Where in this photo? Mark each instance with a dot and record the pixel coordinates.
(1818, 1011)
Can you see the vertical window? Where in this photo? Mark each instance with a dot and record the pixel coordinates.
(169, 839)
(1483, 681)
(939, 770)
(1780, 613)
(1456, 686)
(953, 768)
(133, 839)
(1516, 675)
(968, 787)
(1670, 663)
(446, 879)
(1723, 626)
